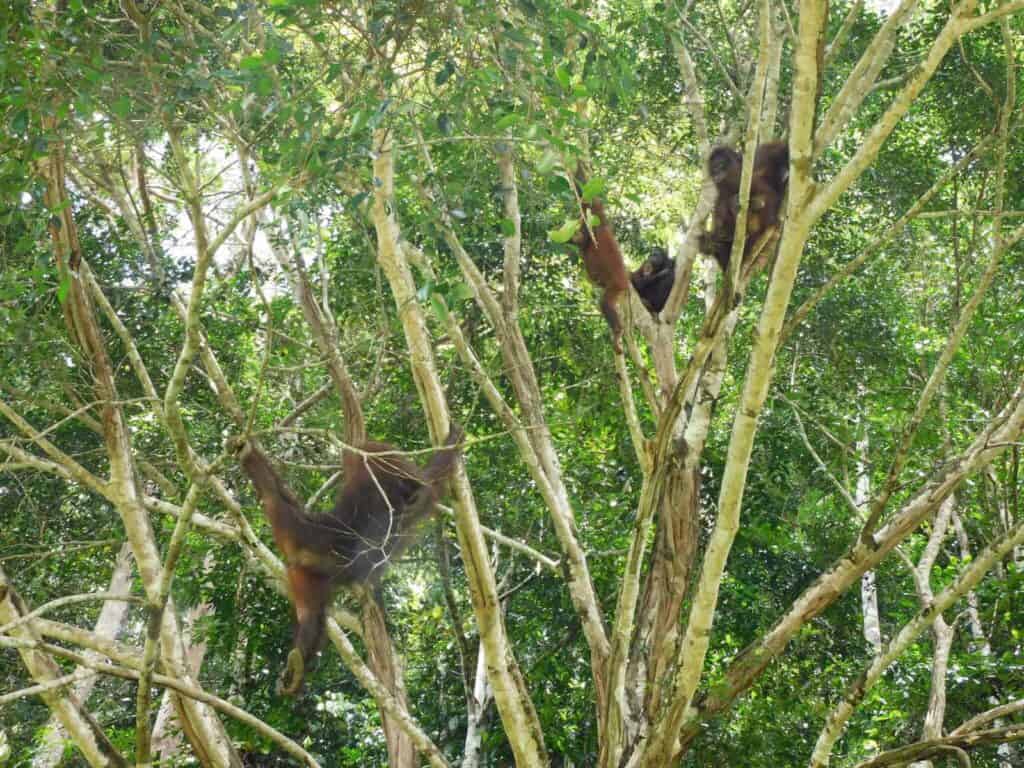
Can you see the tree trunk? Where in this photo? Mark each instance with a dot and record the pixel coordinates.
(80, 726)
(107, 626)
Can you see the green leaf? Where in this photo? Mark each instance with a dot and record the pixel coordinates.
(446, 72)
(359, 120)
(122, 107)
(20, 121)
(24, 245)
(547, 162)
(565, 232)
(437, 304)
(516, 36)
(461, 292)
(508, 227)
(264, 86)
(251, 62)
(564, 78)
(507, 121)
(593, 188)
(64, 288)
(84, 105)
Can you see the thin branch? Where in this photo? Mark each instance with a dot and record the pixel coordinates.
(693, 96)
(936, 378)
(193, 692)
(47, 687)
(308, 403)
(1006, 9)
(983, 718)
(844, 31)
(882, 240)
(514, 544)
(843, 492)
(60, 602)
(938, 747)
(865, 72)
(67, 464)
(871, 144)
(835, 724)
(632, 418)
(690, 656)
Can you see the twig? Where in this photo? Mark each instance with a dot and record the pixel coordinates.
(308, 403)
(857, 511)
(49, 685)
(60, 602)
(525, 549)
(988, 716)
(192, 692)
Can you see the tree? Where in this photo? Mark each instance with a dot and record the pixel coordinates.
(236, 222)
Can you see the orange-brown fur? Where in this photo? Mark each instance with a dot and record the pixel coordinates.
(382, 499)
(767, 188)
(604, 264)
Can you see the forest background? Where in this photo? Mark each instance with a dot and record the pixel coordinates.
(783, 528)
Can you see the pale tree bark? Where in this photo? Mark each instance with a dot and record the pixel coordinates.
(656, 632)
(479, 695)
(891, 232)
(388, 667)
(858, 84)
(943, 632)
(259, 554)
(662, 747)
(801, 215)
(205, 731)
(647, 666)
(959, 23)
(868, 586)
(167, 735)
(974, 625)
(402, 735)
(511, 697)
(950, 746)
(107, 626)
(869, 610)
(130, 669)
(383, 658)
(482, 696)
(67, 708)
(1008, 753)
(1002, 430)
(968, 578)
(532, 434)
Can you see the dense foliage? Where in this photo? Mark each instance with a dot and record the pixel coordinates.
(297, 91)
